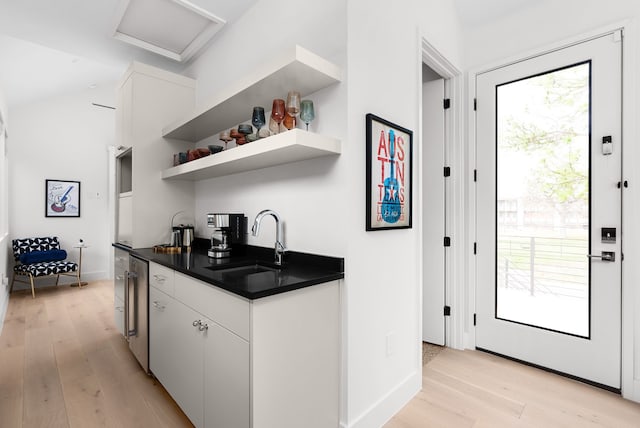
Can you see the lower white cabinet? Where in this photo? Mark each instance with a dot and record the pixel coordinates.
(204, 366)
(234, 363)
(176, 354)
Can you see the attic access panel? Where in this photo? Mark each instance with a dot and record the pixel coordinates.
(144, 23)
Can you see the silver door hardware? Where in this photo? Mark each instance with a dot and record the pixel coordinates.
(607, 145)
(196, 323)
(203, 327)
(605, 256)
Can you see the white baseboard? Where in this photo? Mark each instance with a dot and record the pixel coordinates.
(390, 404)
(5, 305)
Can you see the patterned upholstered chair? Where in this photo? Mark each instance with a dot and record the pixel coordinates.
(37, 257)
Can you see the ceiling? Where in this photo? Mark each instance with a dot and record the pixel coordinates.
(52, 47)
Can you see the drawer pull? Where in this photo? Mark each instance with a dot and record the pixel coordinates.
(203, 327)
(158, 306)
(196, 323)
(119, 277)
(160, 278)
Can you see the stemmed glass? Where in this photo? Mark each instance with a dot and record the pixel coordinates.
(224, 136)
(277, 111)
(293, 104)
(258, 120)
(307, 113)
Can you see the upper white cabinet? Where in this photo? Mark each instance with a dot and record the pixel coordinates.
(148, 98)
(295, 69)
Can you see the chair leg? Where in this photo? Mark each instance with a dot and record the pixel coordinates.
(33, 292)
(57, 279)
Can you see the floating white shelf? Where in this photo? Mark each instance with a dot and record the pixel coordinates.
(291, 146)
(296, 69)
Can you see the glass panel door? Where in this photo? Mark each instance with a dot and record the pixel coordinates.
(542, 204)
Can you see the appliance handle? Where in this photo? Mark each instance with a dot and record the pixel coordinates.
(131, 332)
(126, 304)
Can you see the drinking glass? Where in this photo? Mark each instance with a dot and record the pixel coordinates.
(257, 119)
(277, 111)
(244, 129)
(224, 136)
(293, 103)
(307, 113)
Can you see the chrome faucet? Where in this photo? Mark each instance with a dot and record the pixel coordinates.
(279, 246)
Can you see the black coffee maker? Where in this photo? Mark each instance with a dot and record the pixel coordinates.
(228, 230)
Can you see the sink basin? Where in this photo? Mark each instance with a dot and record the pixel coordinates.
(245, 269)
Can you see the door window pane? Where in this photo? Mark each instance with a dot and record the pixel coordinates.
(542, 207)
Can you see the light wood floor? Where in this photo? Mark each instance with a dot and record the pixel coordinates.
(474, 389)
(62, 364)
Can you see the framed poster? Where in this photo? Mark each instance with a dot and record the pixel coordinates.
(389, 169)
(62, 198)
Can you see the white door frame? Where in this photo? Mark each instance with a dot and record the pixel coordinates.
(454, 211)
(631, 196)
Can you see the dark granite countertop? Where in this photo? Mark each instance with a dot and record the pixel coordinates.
(250, 271)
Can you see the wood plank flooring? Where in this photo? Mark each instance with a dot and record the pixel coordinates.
(475, 389)
(63, 364)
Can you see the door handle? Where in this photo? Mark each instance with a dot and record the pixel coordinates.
(605, 256)
(126, 305)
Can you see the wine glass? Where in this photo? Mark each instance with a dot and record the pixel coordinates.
(244, 129)
(307, 113)
(224, 136)
(258, 120)
(293, 104)
(277, 111)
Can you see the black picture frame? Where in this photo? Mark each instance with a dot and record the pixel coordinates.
(62, 198)
(389, 171)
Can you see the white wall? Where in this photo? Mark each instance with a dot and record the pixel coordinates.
(383, 287)
(63, 138)
(4, 213)
(322, 201)
(548, 23)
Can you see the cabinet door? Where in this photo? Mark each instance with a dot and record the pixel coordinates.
(175, 352)
(226, 372)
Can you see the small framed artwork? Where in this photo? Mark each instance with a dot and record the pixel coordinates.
(62, 198)
(389, 170)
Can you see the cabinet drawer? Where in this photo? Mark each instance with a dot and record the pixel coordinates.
(229, 311)
(161, 278)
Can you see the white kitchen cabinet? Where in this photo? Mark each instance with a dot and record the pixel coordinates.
(120, 266)
(273, 361)
(148, 98)
(226, 379)
(204, 366)
(176, 352)
(162, 278)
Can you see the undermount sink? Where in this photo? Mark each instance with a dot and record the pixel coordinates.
(245, 269)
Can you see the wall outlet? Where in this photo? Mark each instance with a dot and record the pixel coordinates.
(391, 343)
(5, 280)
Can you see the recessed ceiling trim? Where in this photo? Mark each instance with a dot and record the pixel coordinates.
(148, 46)
(198, 40)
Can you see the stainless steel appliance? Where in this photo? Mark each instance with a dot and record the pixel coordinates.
(136, 313)
(228, 229)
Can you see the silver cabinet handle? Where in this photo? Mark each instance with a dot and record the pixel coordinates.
(119, 277)
(605, 256)
(196, 323)
(126, 305)
(203, 327)
(160, 278)
(158, 306)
